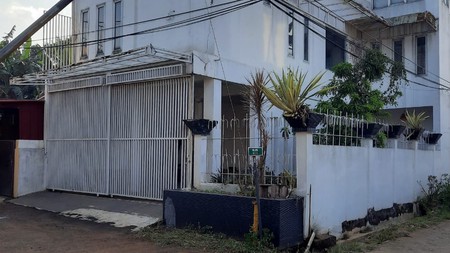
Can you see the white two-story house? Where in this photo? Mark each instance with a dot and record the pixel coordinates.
(114, 118)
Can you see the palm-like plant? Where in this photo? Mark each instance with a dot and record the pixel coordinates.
(290, 92)
(414, 121)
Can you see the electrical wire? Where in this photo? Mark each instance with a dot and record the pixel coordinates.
(147, 20)
(215, 14)
(174, 25)
(391, 49)
(289, 13)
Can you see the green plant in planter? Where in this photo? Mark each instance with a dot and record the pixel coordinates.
(414, 122)
(290, 91)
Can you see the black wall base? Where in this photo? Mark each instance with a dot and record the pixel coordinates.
(375, 217)
(233, 215)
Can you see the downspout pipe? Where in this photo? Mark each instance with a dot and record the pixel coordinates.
(32, 29)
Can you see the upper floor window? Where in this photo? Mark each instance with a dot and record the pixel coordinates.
(335, 48)
(421, 55)
(100, 28)
(385, 3)
(84, 32)
(398, 50)
(306, 40)
(376, 46)
(118, 23)
(445, 2)
(291, 34)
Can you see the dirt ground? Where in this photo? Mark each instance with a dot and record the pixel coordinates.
(433, 239)
(25, 230)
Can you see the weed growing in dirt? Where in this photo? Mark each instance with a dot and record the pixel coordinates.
(436, 193)
(348, 247)
(202, 239)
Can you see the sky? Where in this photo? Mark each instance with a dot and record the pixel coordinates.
(23, 13)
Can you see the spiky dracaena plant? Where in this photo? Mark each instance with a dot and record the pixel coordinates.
(256, 101)
(290, 91)
(414, 121)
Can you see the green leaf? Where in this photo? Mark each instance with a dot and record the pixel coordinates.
(26, 50)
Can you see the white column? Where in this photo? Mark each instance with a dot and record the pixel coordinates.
(392, 143)
(367, 143)
(304, 142)
(212, 110)
(414, 145)
(200, 149)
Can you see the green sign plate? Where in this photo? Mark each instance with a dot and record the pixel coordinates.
(255, 151)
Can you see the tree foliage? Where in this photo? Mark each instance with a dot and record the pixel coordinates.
(354, 90)
(22, 61)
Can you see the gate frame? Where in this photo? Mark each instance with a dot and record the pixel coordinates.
(132, 77)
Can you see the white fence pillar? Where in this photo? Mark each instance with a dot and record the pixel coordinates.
(392, 143)
(212, 110)
(304, 156)
(200, 150)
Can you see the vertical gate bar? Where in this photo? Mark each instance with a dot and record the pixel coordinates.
(108, 140)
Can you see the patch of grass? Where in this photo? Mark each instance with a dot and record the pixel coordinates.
(372, 240)
(348, 247)
(435, 202)
(202, 239)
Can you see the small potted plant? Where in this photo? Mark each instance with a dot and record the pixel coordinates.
(289, 93)
(414, 123)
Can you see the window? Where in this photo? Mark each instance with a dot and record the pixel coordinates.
(84, 32)
(421, 55)
(306, 40)
(335, 48)
(118, 23)
(398, 50)
(291, 34)
(100, 28)
(445, 2)
(380, 3)
(385, 3)
(376, 46)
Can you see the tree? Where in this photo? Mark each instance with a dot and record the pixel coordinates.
(354, 91)
(21, 62)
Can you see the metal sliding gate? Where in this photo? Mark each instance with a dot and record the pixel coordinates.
(125, 139)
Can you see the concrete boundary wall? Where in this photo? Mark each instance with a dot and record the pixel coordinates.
(344, 182)
(28, 167)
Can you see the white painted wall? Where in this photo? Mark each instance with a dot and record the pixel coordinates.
(249, 39)
(396, 10)
(29, 167)
(347, 181)
(233, 46)
(444, 72)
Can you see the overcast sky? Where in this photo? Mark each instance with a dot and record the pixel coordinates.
(23, 13)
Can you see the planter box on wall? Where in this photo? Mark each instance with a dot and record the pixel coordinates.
(370, 130)
(395, 131)
(200, 126)
(432, 138)
(298, 125)
(414, 134)
(233, 215)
